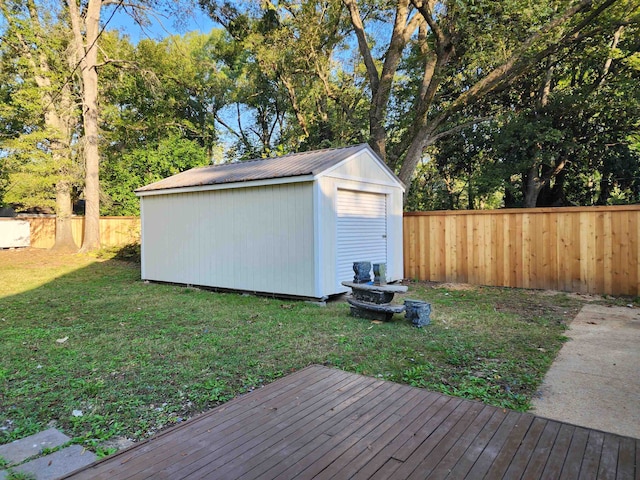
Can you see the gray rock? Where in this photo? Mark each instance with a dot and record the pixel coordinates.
(372, 296)
(384, 307)
(380, 273)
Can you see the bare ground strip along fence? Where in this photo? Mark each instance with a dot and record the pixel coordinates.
(587, 250)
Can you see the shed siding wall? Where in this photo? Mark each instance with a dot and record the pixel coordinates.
(256, 239)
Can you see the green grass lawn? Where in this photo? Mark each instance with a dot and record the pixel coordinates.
(78, 333)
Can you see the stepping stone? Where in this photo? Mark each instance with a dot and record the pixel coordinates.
(20, 450)
(58, 464)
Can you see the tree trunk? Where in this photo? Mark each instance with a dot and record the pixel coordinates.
(411, 159)
(87, 49)
(537, 178)
(61, 151)
(532, 187)
(64, 235)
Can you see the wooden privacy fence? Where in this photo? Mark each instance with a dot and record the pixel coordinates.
(577, 249)
(114, 231)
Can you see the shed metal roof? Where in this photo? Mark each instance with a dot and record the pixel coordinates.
(292, 165)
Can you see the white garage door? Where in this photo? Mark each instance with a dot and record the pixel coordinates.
(362, 230)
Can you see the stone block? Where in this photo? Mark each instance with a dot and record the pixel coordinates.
(377, 288)
(372, 296)
(20, 450)
(58, 464)
(374, 311)
(370, 314)
(418, 312)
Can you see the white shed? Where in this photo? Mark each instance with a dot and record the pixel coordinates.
(290, 225)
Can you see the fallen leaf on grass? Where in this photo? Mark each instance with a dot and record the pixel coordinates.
(377, 322)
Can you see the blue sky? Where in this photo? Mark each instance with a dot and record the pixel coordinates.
(160, 25)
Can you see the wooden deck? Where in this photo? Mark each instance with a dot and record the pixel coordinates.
(325, 423)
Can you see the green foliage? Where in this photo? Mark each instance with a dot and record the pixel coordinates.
(296, 87)
(36, 107)
(575, 146)
(288, 76)
(123, 175)
(31, 172)
(13, 475)
(167, 88)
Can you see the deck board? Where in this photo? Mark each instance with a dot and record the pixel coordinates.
(324, 423)
(506, 454)
(573, 461)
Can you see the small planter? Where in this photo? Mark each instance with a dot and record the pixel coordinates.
(418, 312)
(362, 272)
(379, 273)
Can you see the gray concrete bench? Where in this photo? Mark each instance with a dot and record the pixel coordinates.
(373, 311)
(373, 301)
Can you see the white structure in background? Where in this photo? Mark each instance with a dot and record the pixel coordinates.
(290, 225)
(14, 233)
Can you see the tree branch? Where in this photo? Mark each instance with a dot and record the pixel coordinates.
(439, 136)
(609, 61)
(110, 61)
(519, 61)
(365, 51)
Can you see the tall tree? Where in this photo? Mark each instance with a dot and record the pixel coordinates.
(34, 51)
(160, 101)
(445, 33)
(84, 18)
(433, 67)
(85, 27)
(296, 82)
(564, 137)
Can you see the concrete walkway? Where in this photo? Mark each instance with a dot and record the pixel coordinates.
(24, 456)
(595, 380)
